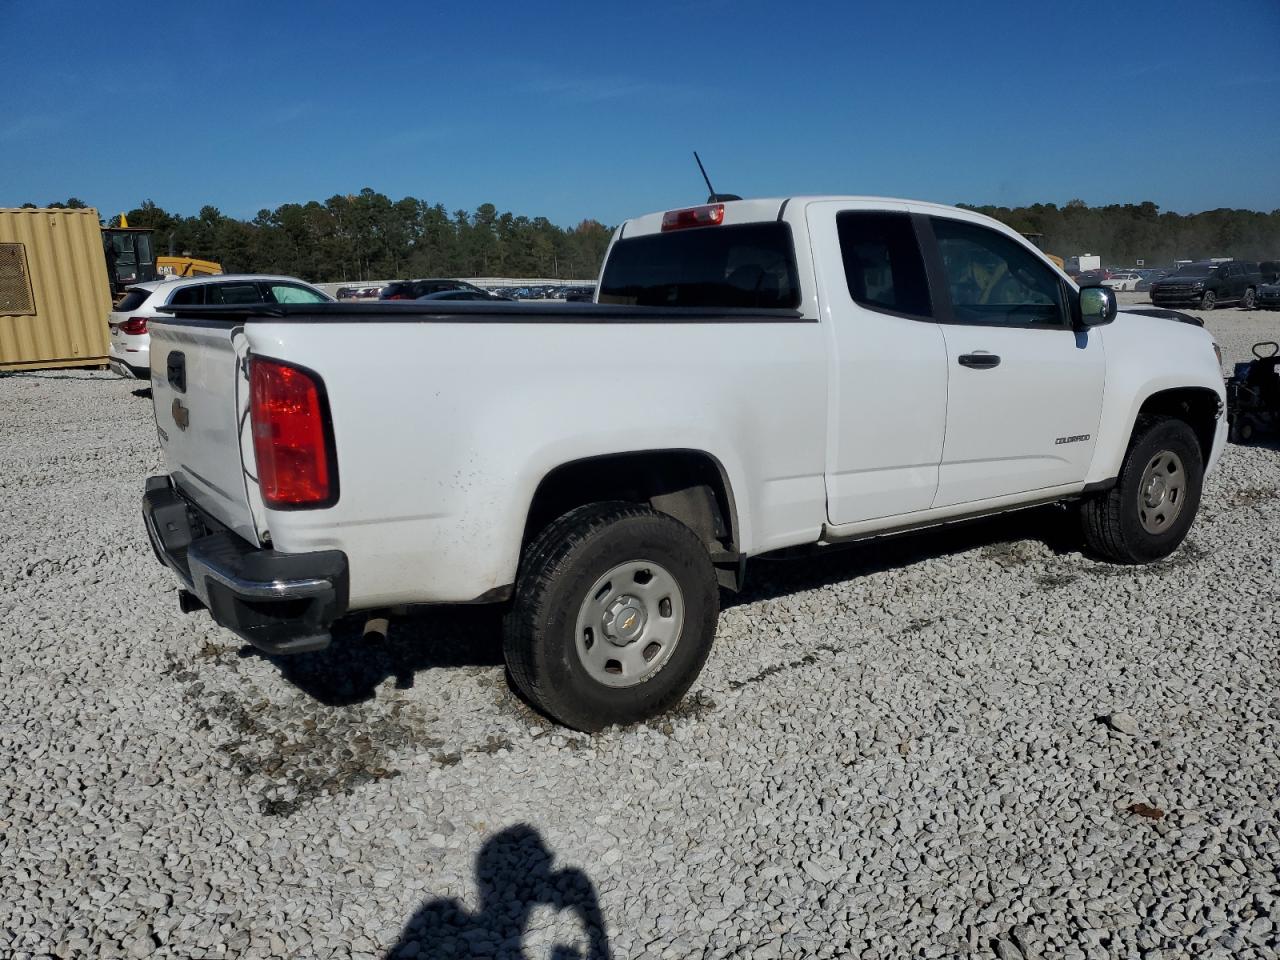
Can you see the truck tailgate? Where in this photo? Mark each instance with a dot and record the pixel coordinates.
(201, 404)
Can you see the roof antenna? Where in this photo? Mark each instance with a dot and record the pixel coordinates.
(714, 197)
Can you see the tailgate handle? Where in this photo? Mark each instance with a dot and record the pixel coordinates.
(176, 370)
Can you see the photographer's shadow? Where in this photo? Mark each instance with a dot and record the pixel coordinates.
(515, 878)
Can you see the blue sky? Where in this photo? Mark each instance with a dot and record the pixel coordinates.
(573, 110)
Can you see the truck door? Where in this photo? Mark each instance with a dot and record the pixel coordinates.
(888, 380)
(1024, 389)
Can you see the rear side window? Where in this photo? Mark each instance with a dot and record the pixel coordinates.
(882, 262)
(235, 293)
(187, 297)
(752, 265)
(132, 300)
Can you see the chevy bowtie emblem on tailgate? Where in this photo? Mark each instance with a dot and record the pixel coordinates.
(181, 415)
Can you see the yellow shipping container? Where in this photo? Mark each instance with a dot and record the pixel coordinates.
(54, 295)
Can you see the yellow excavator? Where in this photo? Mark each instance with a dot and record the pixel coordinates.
(131, 259)
(187, 267)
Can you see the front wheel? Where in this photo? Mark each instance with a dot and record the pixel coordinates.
(614, 615)
(1147, 514)
(1208, 300)
(1250, 298)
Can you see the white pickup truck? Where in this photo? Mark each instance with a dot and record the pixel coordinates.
(754, 375)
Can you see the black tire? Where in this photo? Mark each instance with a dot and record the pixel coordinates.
(559, 567)
(1250, 299)
(1113, 526)
(1208, 300)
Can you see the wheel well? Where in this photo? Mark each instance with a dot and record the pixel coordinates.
(1198, 407)
(687, 484)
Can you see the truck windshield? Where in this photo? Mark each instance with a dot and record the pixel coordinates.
(1195, 270)
(751, 265)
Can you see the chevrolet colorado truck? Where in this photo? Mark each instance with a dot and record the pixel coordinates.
(753, 375)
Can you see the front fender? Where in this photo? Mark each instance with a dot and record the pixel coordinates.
(1147, 356)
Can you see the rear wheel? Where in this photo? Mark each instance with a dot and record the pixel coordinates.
(1147, 514)
(1250, 299)
(614, 615)
(1208, 300)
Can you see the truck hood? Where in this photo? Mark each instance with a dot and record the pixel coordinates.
(1163, 314)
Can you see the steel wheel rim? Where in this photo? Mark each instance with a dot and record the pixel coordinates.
(1162, 492)
(629, 624)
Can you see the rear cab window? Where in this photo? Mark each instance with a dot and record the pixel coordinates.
(883, 265)
(750, 265)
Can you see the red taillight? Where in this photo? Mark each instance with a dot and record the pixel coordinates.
(134, 326)
(709, 215)
(292, 437)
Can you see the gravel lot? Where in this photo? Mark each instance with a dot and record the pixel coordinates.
(969, 743)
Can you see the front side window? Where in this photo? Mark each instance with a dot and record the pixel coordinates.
(748, 265)
(994, 279)
(289, 293)
(882, 262)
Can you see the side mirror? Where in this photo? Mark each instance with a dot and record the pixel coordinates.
(1097, 306)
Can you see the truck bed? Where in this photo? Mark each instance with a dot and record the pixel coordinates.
(446, 417)
(395, 311)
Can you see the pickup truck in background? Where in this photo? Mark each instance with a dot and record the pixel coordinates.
(753, 375)
(1207, 285)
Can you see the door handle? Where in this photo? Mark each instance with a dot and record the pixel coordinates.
(979, 361)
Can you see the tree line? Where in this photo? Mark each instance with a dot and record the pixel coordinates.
(1122, 234)
(370, 236)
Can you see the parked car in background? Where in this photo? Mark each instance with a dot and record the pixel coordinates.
(1090, 278)
(455, 295)
(130, 351)
(1269, 296)
(579, 294)
(1149, 277)
(1208, 284)
(1270, 271)
(358, 293)
(1122, 281)
(417, 289)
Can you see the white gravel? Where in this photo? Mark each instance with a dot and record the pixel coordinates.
(967, 743)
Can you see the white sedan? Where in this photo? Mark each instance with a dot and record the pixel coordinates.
(1122, 281)
(130, 354)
